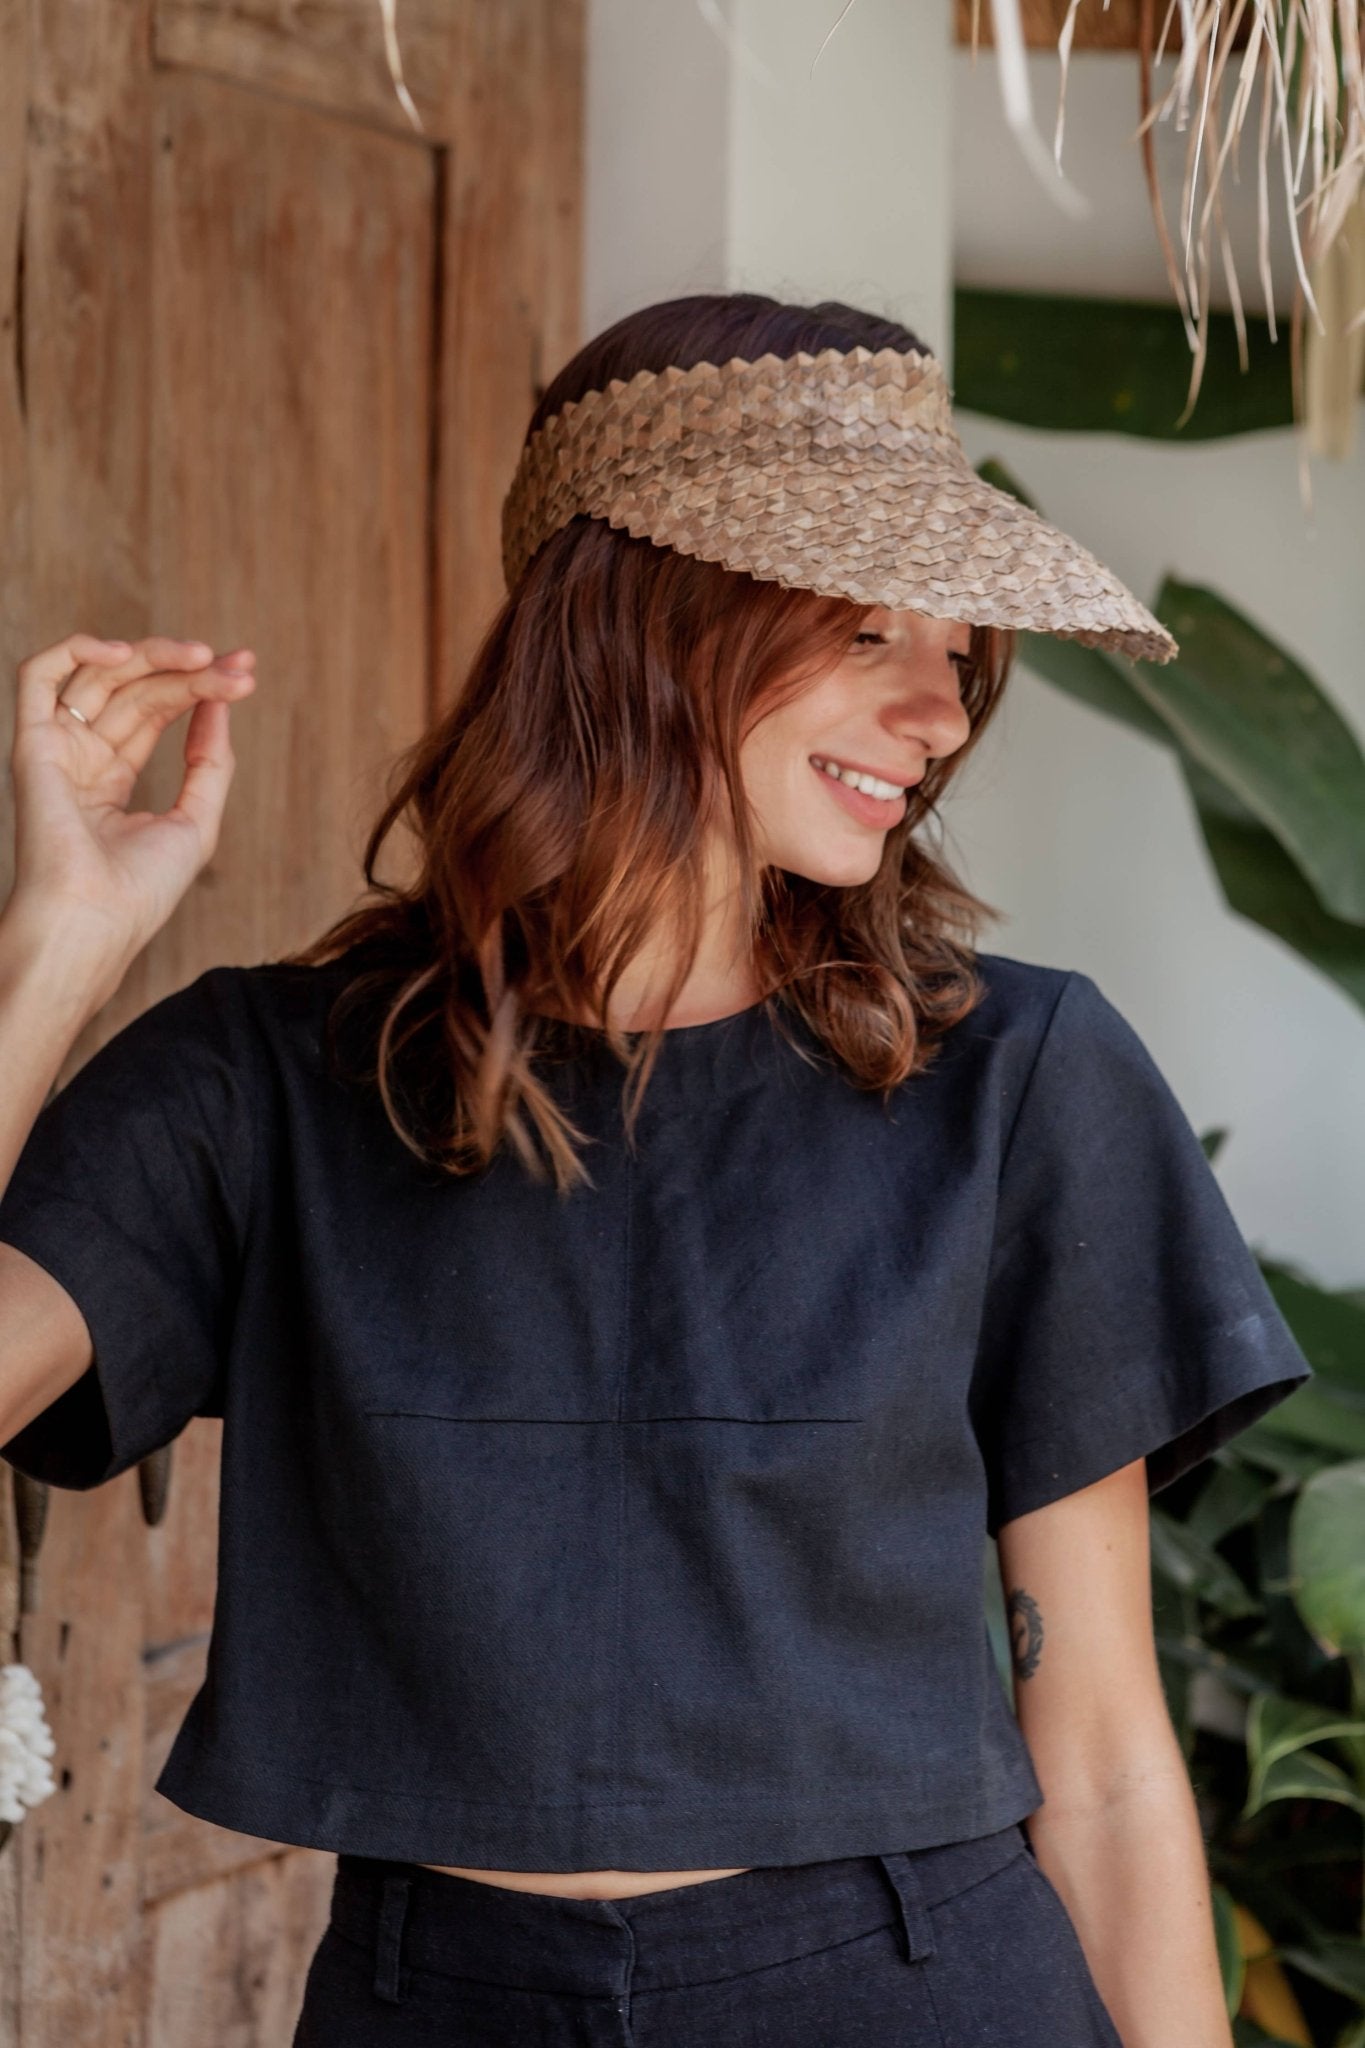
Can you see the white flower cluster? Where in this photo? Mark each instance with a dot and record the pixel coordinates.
(25, 1743)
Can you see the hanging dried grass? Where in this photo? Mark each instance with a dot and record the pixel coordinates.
(1307, 51)
(388, 14)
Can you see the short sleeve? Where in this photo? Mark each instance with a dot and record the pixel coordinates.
(133, 1191)
(1124, 1314)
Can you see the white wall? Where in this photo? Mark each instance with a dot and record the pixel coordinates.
(657, 166)
(720, 166)
(839, 174)
(723, 163)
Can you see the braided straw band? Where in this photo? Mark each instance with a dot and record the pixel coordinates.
(840, 473)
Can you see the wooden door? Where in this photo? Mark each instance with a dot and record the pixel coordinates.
(267, 351)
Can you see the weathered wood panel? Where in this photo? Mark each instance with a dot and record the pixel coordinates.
(329, 53)
(511, 307)
(227, 1962)
(290, 438)
(14, 593)
(86, 322)
(179, 1851)
(181, 1553)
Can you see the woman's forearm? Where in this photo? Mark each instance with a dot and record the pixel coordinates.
(50, 988)
(1130, 1865)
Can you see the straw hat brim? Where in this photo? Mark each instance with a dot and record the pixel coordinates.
(840, 473)
(877, 527)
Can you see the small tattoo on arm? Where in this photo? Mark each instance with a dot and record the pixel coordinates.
(1026, 1632)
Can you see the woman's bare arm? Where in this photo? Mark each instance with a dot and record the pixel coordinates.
(45, 1002)
(92, 884)
(1119, 1835)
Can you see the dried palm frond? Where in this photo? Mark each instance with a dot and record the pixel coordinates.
(1309, 51)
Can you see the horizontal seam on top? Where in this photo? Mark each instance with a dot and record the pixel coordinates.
(579, 1421)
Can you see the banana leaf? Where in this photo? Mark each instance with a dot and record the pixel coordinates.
(1328, 1325)
(1069, 364)
(1277, 1729)
(1195, 1567)
(1322, 1413)
(1233, 1494)
(1336, 1962)
(1305, 1776)
(1327, 1556)
(1246, 711)
(1261, 883)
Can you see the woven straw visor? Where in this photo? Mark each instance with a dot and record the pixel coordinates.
(840, 473)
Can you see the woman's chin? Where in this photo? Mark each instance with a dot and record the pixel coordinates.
(838, 867)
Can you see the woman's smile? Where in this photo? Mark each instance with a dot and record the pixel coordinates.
(881, 812)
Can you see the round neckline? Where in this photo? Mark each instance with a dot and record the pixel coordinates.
(599, 1036)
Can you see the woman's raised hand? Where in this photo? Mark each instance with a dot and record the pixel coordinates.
(81, 857)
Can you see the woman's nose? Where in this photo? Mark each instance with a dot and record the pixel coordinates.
(928, 707)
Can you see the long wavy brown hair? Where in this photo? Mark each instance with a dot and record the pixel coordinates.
(560, 807)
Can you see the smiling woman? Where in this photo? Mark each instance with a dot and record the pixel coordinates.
(620, 817)
(641, 1260)
(880, 714)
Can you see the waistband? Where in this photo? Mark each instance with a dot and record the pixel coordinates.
(413, 1917)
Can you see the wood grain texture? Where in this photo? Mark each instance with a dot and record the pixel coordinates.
(228, 1961)
(87, 316)
(1096, 27)
(179, 1850)
(14, 579)
(325, 53)
(181, 1553)
(15, 22)
(290, 450)
(510, 297)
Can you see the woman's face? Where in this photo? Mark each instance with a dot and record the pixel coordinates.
(887, 707)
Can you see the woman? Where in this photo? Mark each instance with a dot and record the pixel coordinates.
(642, 1259)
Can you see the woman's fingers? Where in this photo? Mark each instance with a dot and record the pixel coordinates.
(83, 672)
(138, 712)
(92, 688)
(209, 765)
(43, 674)
(126, 694)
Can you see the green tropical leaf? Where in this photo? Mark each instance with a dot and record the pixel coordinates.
(1277, 1728)
(1261, 1444)
(1249, 713)
(1070, 364)
(1261, 883)
(1233, 1494)
(1089, 674)
(1231, 1961)
(1196, 1567)
(1328, 1325)
(1305, 1775)
(1327, 1556)
(1338, 1963)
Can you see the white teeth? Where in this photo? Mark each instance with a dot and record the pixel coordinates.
(871, 785)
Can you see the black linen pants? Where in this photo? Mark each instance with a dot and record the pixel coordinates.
(962, 1945)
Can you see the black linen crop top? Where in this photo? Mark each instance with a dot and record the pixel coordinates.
(643, 1528)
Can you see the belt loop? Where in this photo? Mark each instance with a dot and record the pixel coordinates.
(389, 1940)
(915, 1922)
